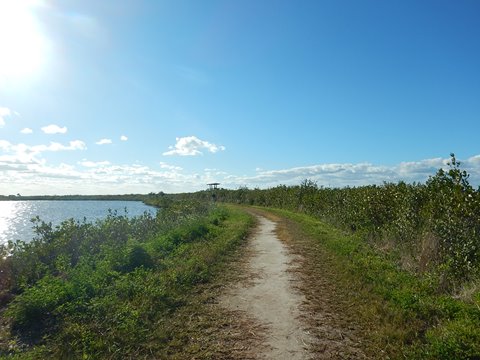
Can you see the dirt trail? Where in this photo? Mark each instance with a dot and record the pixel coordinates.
(270, 297)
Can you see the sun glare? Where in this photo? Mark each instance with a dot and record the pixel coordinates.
(22, 44)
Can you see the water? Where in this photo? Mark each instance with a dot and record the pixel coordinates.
(15, 216)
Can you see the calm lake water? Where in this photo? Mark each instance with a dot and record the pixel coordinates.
(15, 216)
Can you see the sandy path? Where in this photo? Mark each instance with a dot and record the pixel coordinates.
(270, 298)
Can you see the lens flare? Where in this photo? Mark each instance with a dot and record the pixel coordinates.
(23, 46)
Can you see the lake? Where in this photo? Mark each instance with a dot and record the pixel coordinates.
(15, 216)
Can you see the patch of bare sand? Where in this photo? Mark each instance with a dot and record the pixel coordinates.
(270, 297)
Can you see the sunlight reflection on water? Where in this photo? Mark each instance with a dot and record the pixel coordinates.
(15, 216)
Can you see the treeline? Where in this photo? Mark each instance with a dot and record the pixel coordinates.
(432, 227)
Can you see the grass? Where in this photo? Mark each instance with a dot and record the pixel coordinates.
(401, 315)
(148, 299)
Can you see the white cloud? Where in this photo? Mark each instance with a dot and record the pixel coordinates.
(103, 141)
(21, 154)
(347, 174)
(5, 145)
(77, 145)
(123, 138)
(323, 174)
(54, 129)
(93, 164)
(191, 146)
(474, 160)
(23, 170)
(54, 146)
(26, 131)
(4, 112)
(169, 167)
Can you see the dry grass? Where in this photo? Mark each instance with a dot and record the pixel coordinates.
(468, 293)
(429, 254)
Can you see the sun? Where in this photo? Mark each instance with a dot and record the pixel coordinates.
(22, 44)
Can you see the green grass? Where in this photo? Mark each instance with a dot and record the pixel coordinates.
(130, 300)
(406, 315)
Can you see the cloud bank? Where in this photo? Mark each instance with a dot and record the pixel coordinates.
(23, 170)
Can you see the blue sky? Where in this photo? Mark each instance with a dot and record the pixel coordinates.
(121, 96)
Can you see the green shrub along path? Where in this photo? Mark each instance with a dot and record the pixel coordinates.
(122, 288)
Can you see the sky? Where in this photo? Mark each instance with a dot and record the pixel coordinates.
(139, 96)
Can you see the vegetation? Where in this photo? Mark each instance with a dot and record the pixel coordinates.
(402, 315)
(415, 246)
(432, 227)
(112, 289)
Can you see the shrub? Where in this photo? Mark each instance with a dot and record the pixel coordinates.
(137, 257)
(37, 304)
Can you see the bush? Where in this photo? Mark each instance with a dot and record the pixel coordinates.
(37, 304)
(137, 257)
(457, 339)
